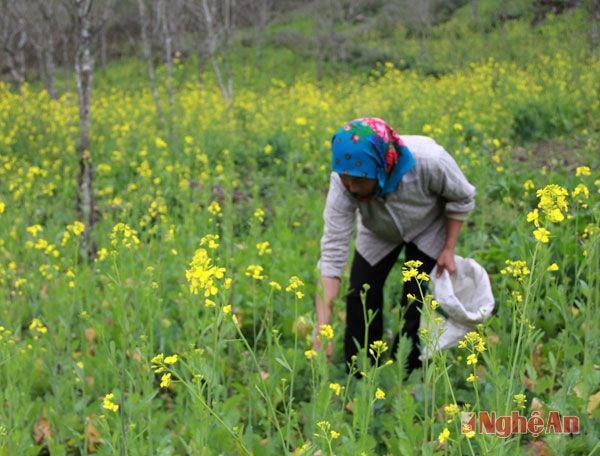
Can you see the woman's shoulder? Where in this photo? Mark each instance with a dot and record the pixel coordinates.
(425, 150)
(421, 145)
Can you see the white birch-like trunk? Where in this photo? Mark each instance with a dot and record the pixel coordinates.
(48, 47)
(84, 67)
(163, 17)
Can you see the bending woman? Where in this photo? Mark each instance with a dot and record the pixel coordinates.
(409, 194)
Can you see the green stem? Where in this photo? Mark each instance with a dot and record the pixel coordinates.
(262, 392)
(200, 399)
(428, 430)
(292, 375)
(449, 383)
(516, 358)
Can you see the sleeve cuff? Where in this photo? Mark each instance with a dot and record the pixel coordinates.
(327, 270)
(462, 216)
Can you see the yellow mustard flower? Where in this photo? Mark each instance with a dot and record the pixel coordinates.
(520, 400)
(263, 248)
(37, 325)
(451, 409)
(336, 388)
(259, 214)
(326, 331)
(310, 354)
(255, 271)
(542, 235)
(472, 359)
(165, 380)
(444, 435)
(202, 274)
(108, 403)
(214, 208)
(171, 359)
(583, 171)
(294, 283)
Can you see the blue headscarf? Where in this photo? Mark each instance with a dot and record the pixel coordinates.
(370, 148)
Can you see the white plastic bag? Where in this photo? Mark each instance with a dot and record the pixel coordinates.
(465, 297)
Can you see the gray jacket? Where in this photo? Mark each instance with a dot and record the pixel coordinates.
(434, 190)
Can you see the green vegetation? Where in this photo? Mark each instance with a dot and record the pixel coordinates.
(517, 106)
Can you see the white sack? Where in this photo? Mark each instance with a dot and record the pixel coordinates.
(465, 297)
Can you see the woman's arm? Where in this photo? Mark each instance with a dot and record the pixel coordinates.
(448, 181)
(327, 290)
(340, 218)
(445, 259)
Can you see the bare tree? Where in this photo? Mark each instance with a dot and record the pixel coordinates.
(216, 25)
(259, 14)
(164, 20)
(43, 21)
(14, 39)
(147, 53)
(330, 43)
(425, 18)
(324, 32)
(84, 72)
(106, 13)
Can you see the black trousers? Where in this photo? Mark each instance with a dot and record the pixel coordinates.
(376, 275)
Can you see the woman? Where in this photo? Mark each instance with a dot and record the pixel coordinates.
(409, 194)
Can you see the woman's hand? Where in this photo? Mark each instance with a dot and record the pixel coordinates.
(327, 291)
(446, 261)
(317, 344)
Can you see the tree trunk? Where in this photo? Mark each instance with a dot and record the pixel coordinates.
(103, 56)
(50, 68)
(202, 62)
(475, 11)
(41, 61)
(47, 46)
(226, 88)
(66, 58)
(13, 67)
(163, 17)
(147, 53)
(84, 67)
(20, 54)
(263, 19)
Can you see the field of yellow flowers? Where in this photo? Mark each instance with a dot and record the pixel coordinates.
(191, 332)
